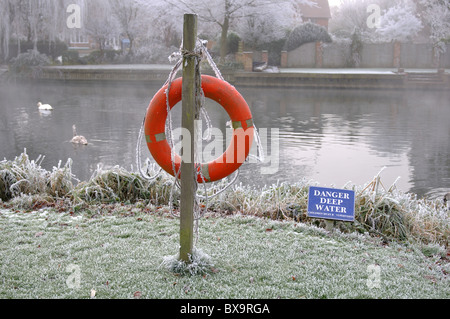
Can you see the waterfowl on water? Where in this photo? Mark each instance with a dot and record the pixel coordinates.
(78, 139)
(44, 107)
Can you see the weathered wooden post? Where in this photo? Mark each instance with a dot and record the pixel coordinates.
(188, 176)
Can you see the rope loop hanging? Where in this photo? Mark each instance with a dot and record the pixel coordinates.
(171, 91)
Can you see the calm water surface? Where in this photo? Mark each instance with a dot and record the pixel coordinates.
(328, 136)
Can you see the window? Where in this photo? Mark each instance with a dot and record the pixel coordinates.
(78, 37)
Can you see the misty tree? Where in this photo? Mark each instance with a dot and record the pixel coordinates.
(126, 12)
(6, 19)
(17, 19)
(228, 13)
(31, 21)
(159, 37)
(272, 23)
(399, 23)
(167, 28)
(306, 33)
(100, 23)
(436, 15)
(351, 17)
(41, 19)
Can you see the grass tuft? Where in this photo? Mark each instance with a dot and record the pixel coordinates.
(25, 176)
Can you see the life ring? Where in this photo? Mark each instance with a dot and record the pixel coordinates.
(233, 103)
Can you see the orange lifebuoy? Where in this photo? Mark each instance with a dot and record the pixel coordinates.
(233, 103)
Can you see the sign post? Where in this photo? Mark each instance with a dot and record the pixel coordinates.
(188, 178)
(331, 204)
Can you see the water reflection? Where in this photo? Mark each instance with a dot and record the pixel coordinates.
(329, 136)
(338, 136)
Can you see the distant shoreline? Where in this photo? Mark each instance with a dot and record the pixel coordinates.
(358, 78)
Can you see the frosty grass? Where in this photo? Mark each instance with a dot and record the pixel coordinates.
(121, 256)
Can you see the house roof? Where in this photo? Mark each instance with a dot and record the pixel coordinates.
(321, 10)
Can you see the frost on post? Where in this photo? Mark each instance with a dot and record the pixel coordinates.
(199, 263)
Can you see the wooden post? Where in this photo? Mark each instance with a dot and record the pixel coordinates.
(265, 56)
(188, 182)
(319, 55)
(284, 59)
(248, 61)
(397, 54)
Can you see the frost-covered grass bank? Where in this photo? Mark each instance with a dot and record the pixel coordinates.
(382, 212)
(120, 255)
(110, 237)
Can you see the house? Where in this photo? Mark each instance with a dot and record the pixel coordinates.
(319, 14)
(79, 41)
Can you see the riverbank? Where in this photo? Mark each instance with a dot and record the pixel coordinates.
(254, 243)
(286, 78)
(384, 213)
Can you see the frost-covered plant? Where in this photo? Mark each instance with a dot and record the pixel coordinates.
(111, 185)
(25, 176)
(29, 63)
(277, 201)
(353, 15)
(436, 15)
(32, 202)
(399, 23)
(396, 215)
(306, 33)
(355, 50)
(265, 27)
(117, 184)
(390, 214)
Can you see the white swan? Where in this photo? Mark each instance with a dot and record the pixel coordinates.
(78, 139)
(44, 107)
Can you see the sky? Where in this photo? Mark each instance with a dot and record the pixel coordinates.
(334, 2)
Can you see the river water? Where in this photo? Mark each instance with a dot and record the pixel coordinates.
(331, 137)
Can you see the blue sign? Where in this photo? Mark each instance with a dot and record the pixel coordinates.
(330, 203)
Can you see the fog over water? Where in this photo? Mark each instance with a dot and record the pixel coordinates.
(328, 136)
